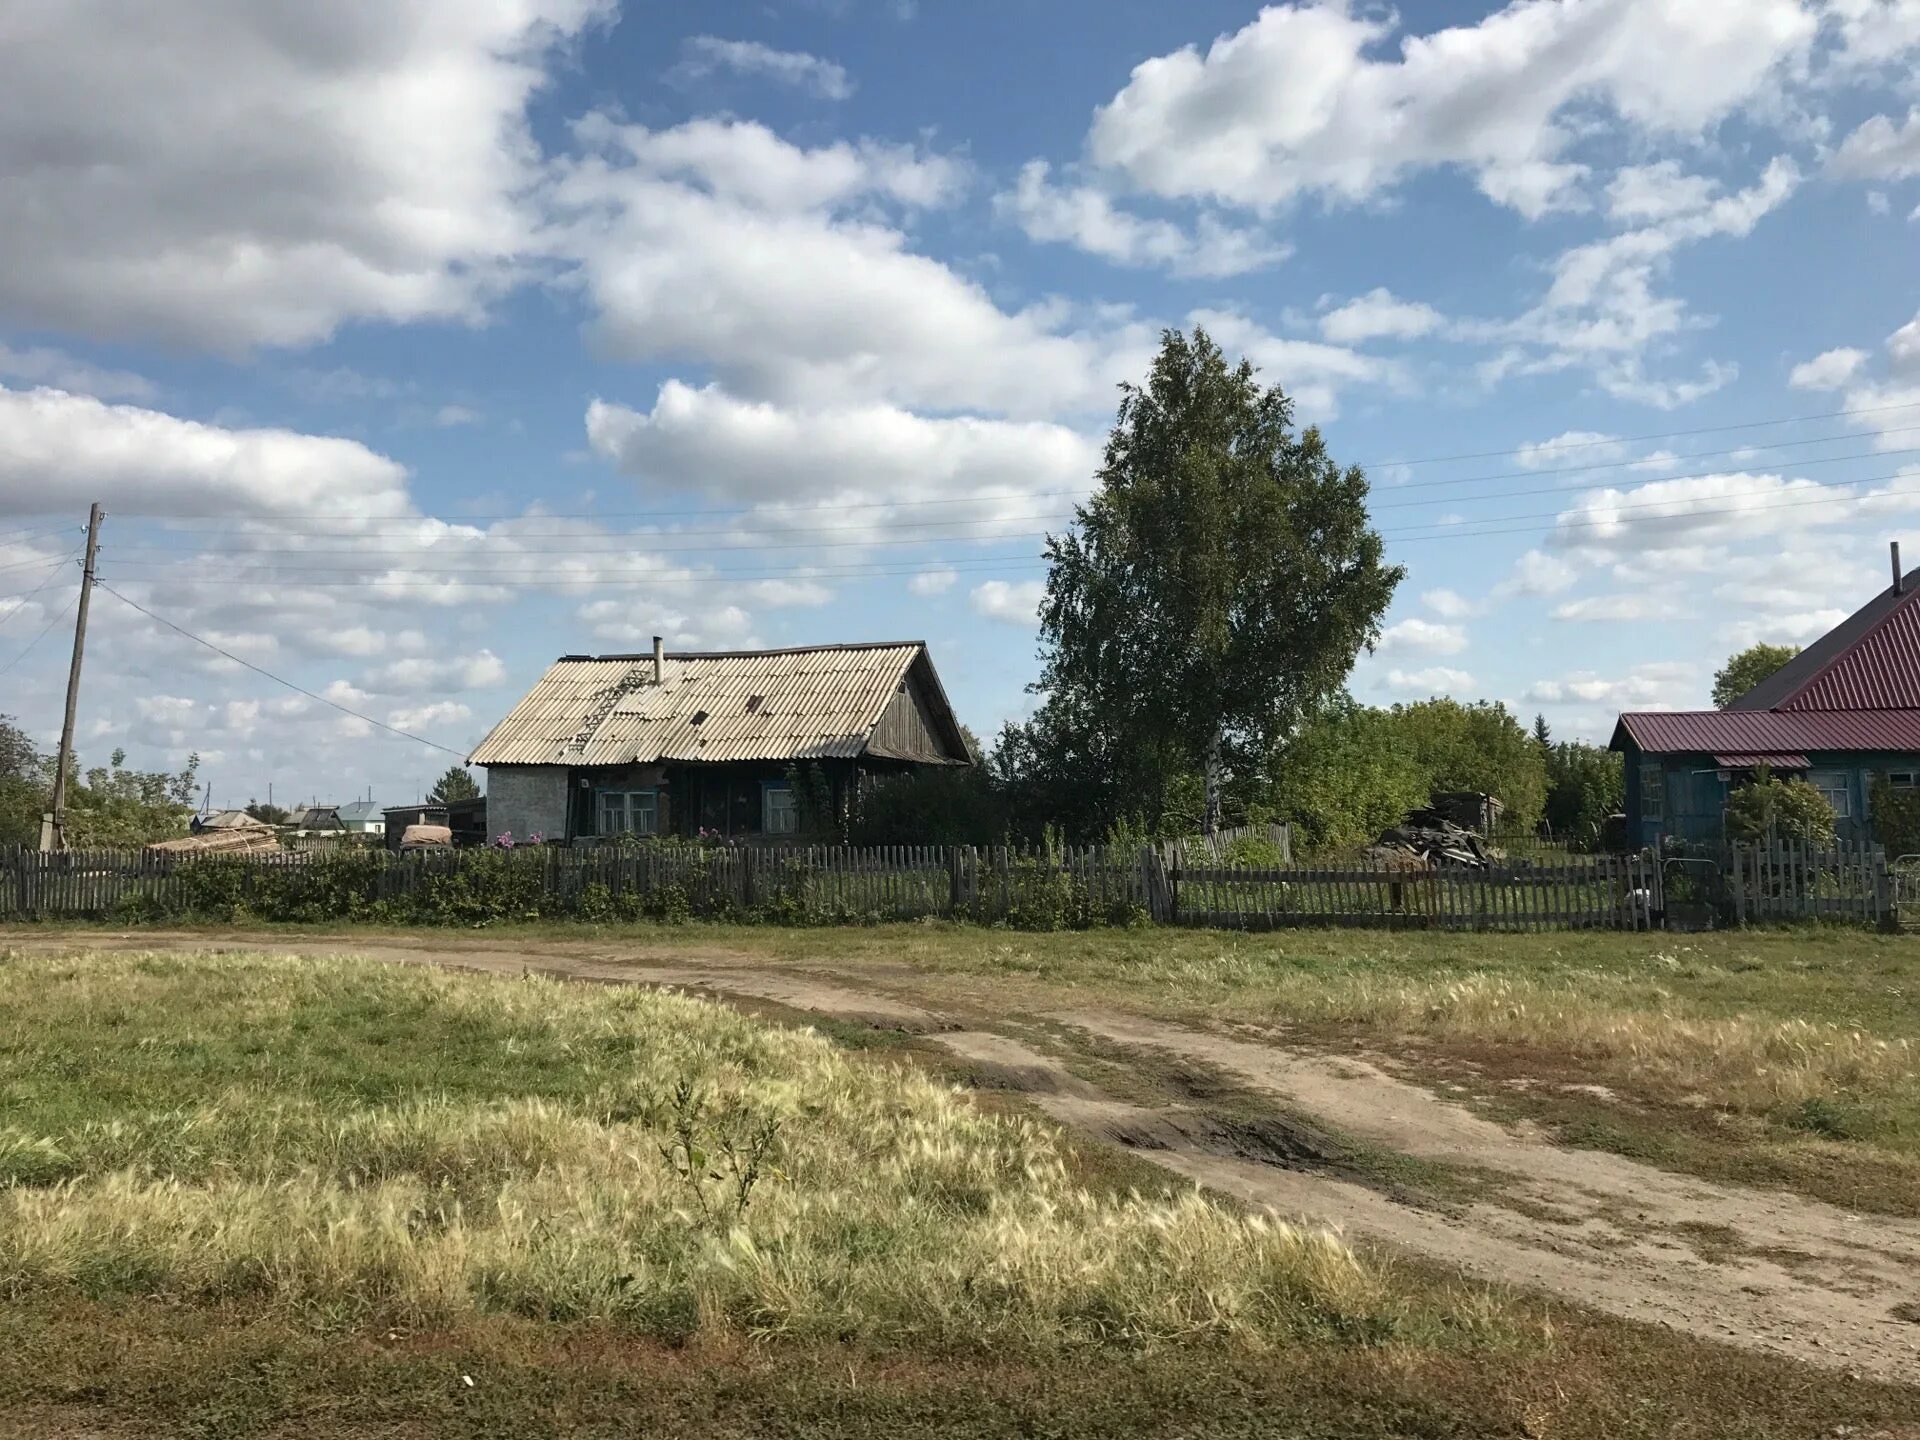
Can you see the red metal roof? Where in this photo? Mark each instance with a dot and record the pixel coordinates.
(1760, 732)
(1782, 761)
(1869, 661)
(1879, 671)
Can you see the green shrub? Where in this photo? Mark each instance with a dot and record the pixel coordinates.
(1771, 809)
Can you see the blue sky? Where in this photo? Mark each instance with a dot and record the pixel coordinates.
(411, 345)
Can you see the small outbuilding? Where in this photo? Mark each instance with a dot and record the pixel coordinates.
(691, 743)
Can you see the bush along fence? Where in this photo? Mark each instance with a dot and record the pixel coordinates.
(1041, 889)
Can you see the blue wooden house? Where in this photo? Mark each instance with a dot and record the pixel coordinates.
(1842, 712)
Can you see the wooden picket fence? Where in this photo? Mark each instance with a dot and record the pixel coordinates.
(1793, 881)
(828, 884)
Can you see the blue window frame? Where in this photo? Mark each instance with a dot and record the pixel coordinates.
(779, 815)
(628, 812)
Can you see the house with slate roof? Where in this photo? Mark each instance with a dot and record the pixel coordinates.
(1841, 713)
(689, 743)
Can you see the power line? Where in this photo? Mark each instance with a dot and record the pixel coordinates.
(1640, 439)
(1461, 531)
(477, 575)
(21, 602)
(1552, 447)
(278, 680)
(264, 556)
(639, 542)
(59, 615)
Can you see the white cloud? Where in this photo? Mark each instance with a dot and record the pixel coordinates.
(1659, 685)
(1638, 605)
(1641, 193)
(55, 446)
(783, 459)
(1311, 373)
(419, 675)
(1311, 98)
(1421, 637)
(1536, 573)
(57, 370)
(1449, 604)
(1794, 627)
(1829, 370)
(1087, 218)
(231, 173)
(934, 582)
(1379, 314)
(1434, 680)
(342, 692)
(174, 712)
(437, 714)
(1581, 447)
(721, 244)
(631, 623)
(704, 54)
(449, 416)
(1604, 311)
(1880, 150)
(1014, 602)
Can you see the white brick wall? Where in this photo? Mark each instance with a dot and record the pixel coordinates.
(524, 800)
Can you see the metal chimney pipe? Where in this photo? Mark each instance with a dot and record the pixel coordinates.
(660, 660)
(1897, 577)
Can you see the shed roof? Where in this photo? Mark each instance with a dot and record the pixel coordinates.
(359, 812)
(812, 703)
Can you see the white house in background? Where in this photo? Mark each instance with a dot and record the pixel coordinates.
(363, 817)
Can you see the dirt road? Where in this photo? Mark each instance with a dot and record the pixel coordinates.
(1764, 1270)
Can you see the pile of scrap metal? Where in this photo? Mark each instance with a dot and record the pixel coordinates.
(1426, 838)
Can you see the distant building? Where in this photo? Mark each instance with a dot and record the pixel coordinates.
(1841, 713)
(676, 744)
(362, 817)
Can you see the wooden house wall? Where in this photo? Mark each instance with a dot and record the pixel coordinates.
(906, 730)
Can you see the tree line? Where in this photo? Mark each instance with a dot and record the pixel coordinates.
(107, 805)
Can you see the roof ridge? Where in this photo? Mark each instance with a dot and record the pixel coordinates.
(750, 654)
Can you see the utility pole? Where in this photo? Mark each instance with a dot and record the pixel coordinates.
(53, 835)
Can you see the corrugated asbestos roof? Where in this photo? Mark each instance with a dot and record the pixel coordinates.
(1869, 661)
(1760, 732)
(807, 704)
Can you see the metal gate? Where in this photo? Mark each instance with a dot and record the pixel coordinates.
(1904, 871)
(1692, 893)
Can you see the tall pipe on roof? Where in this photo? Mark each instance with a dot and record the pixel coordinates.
(1896, 567)
(659, 660)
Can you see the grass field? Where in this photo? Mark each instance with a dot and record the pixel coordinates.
(254, 1196)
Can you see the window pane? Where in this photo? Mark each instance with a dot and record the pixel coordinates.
(613, 812)
(781, 815)
(644, 807)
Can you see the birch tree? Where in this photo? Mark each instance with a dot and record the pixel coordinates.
(1217, 587)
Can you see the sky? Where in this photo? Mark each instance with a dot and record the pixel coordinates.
(410, 344)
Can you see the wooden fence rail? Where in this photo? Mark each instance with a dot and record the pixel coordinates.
(1050, 888)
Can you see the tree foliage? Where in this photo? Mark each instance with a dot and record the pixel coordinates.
(107, 806)
(268, 814)
(1747, 669)
(1345, 777)
(1767, 808)
(1477, 746)
(1214, 591)
(1585, 784)
(457, 784)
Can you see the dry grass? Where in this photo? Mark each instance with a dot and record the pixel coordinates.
(348, 1139)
